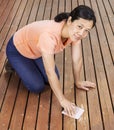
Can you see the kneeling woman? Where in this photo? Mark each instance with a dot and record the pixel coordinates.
(31, 50)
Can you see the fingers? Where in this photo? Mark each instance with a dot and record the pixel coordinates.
(90, 84)
(84, 88)
(70, 109)
(85, 85)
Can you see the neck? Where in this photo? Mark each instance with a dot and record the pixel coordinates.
(65, 34)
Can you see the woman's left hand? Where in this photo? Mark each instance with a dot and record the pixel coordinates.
(85, 85)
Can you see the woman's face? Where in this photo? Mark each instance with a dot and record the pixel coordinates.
(79, 29)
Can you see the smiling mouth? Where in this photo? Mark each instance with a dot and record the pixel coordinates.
(77, 37)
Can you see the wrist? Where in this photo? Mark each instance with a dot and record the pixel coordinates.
(77, 83)
(61, 100)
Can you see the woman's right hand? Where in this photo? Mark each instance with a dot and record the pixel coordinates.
(68, 106)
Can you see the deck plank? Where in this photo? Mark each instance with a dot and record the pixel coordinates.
(31, 114)
(5, 13)
(41, 10)
(93, 95)
(110, 14)
(44, 110)
(83, 122)
(45, 98)
(104, 43)
(106, 59)
(68, 86)
(9, 101)
(56, 115)
(104, 94)
(22, 95)
(30, 119)
(107, 30)
(3, 87)
(34, 11)
(111, 5)
(3, 5)
(19, 109)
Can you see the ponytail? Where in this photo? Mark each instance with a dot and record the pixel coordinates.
(62, 16)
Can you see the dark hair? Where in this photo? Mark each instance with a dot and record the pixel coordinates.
(82, 11)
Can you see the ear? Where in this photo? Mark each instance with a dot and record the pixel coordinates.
(69, 20)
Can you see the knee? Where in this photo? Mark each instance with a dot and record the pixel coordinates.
(36, 88)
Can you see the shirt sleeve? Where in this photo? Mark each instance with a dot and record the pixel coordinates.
(47, 43)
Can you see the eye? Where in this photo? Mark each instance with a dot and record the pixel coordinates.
(80, 27)
(87, 31)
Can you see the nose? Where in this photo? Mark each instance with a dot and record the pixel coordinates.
(81, 32)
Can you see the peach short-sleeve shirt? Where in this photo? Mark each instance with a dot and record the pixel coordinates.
(38, 37)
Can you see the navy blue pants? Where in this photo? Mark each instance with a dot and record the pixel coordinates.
(31, 71)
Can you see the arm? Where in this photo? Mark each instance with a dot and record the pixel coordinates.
(77, 65)
(49, 64)
(77, 61)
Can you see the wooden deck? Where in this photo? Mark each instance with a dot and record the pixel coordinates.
(22, 110)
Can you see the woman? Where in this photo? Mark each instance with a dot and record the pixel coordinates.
(30, 51)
